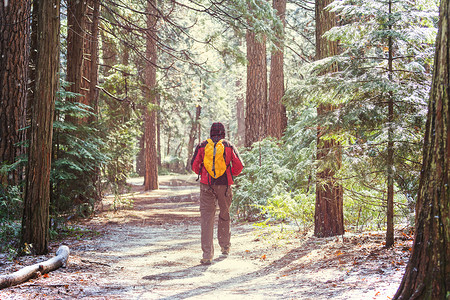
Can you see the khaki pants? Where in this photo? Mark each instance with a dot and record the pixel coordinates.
(210, 196)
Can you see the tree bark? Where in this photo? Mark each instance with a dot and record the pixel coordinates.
(390, 149)
(35, 223)
(62, 255)
(76, 27)
(93, 93)
(158, 131)
(14, 45)
(329, 217)
(277, 112)
(90, 59)
(192, 136)
(151, 157)
(240, 115)
(256, 96)
(427, 274)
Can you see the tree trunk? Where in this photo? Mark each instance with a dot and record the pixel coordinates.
(158, 131)
(256, 96)
(35, 223)
(329, 213)
(151, 157)
(62, 255)
(90, 58)
(192, 136)
(240, 116)
(93, 46)
(390, 150)
(169, 136)
(329, 218)
(277, 112)
(427, 275)
(14, 59)
(92, 95)
(76, 27)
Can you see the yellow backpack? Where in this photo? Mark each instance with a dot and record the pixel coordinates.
(214, 161)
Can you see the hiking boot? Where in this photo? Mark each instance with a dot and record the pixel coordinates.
(205, 261)
(225, 250)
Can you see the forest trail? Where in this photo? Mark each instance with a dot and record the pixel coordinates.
(152, 251)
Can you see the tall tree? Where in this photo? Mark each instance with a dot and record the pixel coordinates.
(35, 223)
(256, 96)
(14, 37)
(91, 72)
(240, 115)
(76, 28)
(277, 112)
(329, 216)
(427, 275)
(380, 91)
(151, 157)
(90, 56)
(192, 135)
(390, 145)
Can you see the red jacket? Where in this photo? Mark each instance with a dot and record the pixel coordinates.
(232, 160)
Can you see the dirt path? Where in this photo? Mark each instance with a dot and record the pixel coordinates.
(152, 251)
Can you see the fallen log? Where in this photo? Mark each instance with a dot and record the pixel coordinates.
(24, 274)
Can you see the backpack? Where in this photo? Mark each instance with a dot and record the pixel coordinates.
(214, 159)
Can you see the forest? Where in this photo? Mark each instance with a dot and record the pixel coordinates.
(339, 110)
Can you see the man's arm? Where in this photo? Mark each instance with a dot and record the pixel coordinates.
(236, 162)
(197, 160)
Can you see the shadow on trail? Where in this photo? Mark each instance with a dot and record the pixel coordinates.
(161, 249)
(191, 272)
(196, 271)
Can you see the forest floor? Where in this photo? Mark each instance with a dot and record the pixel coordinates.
(151, 250)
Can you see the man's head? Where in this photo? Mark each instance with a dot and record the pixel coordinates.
(217, 131)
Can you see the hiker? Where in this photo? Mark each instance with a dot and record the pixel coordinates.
(216, 161)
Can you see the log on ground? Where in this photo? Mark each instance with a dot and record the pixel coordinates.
(26, 273)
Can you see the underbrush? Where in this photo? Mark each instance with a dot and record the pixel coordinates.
(278, 185)
(11, 206)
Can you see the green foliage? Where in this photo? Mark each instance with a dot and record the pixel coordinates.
(11, 206)
(120, 126)
(297, 208)
(359, 92)
(11, 203)
(9, 237)
(365, 206)
(264, 176)
(121, 147)
(279, 176)
(77, 158)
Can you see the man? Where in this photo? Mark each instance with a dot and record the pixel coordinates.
(216, 160)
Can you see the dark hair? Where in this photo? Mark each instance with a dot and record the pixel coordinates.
(217, 131)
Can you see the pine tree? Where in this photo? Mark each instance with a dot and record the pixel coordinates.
(76, 28)
(276, 110)
(329, 215)
(151, 157)
(428, 270)
(379, 86)
(256, 95)
(14, 59)
(35, 223)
